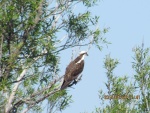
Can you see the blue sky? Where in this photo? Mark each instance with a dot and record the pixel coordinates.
(129, 22)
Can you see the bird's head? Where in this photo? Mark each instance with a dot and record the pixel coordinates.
(83, 53)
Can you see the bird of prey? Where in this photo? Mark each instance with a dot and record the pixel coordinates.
(73, 70)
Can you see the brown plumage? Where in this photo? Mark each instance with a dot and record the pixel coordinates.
(73, 70)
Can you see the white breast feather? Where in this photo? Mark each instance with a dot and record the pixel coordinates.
(81, 59)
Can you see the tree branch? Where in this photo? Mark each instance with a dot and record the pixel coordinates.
(1, 45)
(8, 106)
(41, 99)
(29, 100)
(12, 96)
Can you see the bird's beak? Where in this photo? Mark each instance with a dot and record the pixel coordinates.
(86, 54)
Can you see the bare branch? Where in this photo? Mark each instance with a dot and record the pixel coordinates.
(12, 96)
(19, 79)
(49, 86)
(28, 100)
(41, 99)
(1, 45)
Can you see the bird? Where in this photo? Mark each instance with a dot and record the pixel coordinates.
(73, 70)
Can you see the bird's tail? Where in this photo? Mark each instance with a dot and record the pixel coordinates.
(64, 85)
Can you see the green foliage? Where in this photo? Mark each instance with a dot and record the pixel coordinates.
(125, 96)
(30, 47)
(89, 3)
(141, 65)
(78, 25)
(59, 101)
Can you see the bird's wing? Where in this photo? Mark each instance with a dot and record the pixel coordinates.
(67, 79)
(77, 69)
(72, 63)
(72, 73)
(68, 68)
